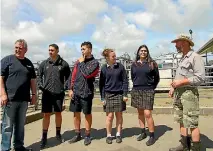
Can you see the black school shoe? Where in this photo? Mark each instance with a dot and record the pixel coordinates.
(109, 140)
(118, 139)
(22, 148)
(151, 141)
(59, 138)
(141, 136)
(75, 139)
(87, 140)
(43, 143)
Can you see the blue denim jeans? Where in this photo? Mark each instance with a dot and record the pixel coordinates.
(13, 121)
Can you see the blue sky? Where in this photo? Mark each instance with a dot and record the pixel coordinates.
(120, 24)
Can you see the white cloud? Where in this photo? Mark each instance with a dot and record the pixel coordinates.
(26, 30)
(69, 51)
(59, 18)
(160, 47)
(115, 32)
(8, 9)
(166, 17)
(171, 16)
(123, 31)
(142, 18)
(66, 17)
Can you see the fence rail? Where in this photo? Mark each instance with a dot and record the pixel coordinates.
(208, 84)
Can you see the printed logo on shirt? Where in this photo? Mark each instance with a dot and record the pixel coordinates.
(88, 67)
(29, 66)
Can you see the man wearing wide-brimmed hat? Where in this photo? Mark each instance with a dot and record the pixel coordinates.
(190, 73)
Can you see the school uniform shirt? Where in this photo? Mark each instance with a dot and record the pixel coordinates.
(83, 77)
(113, 79)
(52, 75)
(192, 67)
(144, 76)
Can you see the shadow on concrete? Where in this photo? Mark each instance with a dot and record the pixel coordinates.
(160, 130)
(52, 141)
(206, 143)
(95, 134)
(98, 134)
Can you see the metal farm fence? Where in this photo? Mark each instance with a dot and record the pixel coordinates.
(166, 77)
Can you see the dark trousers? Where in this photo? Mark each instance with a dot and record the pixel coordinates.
(14, 117)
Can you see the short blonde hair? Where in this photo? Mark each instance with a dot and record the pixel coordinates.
(106, 52)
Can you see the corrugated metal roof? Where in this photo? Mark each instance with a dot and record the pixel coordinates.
(208, 47)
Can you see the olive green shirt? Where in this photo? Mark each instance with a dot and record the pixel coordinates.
(191, 66)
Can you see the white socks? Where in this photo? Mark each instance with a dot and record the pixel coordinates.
(117, 134)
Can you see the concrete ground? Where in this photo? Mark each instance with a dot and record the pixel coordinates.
(167, 133)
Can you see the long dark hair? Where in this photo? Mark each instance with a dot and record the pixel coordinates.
(149, 59)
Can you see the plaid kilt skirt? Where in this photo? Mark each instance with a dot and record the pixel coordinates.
(142, 99)
(114, 103)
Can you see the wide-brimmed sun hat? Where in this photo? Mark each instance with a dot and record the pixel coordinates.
(183, 37)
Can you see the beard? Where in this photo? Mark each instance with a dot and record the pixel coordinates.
(179, 49)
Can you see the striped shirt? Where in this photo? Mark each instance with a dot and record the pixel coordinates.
(52, 75)
(83, 77)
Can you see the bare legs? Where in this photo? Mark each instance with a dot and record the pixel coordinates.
(119, 123)
(142, 115)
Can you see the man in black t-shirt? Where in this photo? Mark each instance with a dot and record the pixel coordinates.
(52, 76)
(17, 78)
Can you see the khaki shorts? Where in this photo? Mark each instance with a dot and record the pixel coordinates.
(186, 107)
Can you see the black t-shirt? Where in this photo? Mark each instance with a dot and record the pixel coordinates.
(17, 75)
